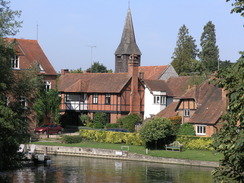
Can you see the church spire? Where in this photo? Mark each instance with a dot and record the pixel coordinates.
(127, 46)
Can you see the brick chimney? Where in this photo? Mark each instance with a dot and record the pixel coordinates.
(64, 71)
(133, 65)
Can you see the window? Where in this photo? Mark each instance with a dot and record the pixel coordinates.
(107, 98)
(95, 98)
(15, 62)
(47, 85)
(22, 102)
(40, 67)
(6, 101)
(160, 100)
(201, 130)
(187, 112)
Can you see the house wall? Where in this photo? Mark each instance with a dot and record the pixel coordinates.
(151, 108)
(169, 72)
(52, 79)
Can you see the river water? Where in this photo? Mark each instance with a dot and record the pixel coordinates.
(67, 169)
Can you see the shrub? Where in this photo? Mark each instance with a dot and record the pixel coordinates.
(100, 117)
(112, 125)
(98, 125)
(156, 130)
(90, 124)
(186, 129)
(85, 119)
(176, 121)
(71, 139)
(129, 122)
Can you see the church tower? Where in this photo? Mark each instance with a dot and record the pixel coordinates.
(127, 46)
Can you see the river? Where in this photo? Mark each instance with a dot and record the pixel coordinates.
(67, 169)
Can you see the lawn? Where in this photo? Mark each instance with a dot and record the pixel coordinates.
(186, 154)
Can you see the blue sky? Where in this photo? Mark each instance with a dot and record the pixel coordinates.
(66, 29)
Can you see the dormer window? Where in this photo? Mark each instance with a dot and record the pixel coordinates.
(15, 62)
(40, 67)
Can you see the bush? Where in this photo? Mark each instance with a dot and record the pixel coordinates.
(186, 129)
(100, 117)
(98, 125)
(156, 130)
(112, 137)
(129, 122)
(176, 121)
(71, 139)
(85, 119)
(112, 125)
(195, 143)
(90, 124)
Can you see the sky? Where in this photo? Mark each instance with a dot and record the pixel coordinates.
(75, 33)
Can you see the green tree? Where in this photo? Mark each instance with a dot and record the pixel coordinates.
(97, 68)
(8, 23)
(47, 106)
(100, 117)
(209, 55)
(129, 122)
(184, 56)
(186, 129)
(76, 71)
(155, 130)
(230, 140)
(238, 7)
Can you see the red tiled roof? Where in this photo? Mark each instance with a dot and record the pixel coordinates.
(169, 111)
(178, 85)
(32, 53)
(93, 82)
(152, 72)
(158, 85)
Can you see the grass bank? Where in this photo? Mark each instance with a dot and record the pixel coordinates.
(186, 154)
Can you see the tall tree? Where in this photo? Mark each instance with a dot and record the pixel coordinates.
(98, 68)
(209, 55)
(238, 7)
(230, 140)
(184, 56)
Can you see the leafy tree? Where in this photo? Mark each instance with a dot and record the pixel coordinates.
(230, 140)
(209, 55)
(238, 7)
(97, 68)
(100, 117)
(76, 71)
(156, 130)
(8, 23)
(184, 56)
(129, 122)
(47, 106)
(186, 129)
(225, 64)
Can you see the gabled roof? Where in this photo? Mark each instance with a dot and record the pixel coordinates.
(93, 82)
(152, 72)
(128, 44)
(32, 54)
(178, 85)
(158, 85)
(169, 111)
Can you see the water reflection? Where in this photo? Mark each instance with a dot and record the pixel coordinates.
(88, 170)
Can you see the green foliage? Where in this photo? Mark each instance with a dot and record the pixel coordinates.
(129, 122)
(8, 23)
(112, 137)
(184, 56)
(47, 105)
(238, 7)
(209, 55)
(195, 143)
(90, 124)
(71, 139)
(186, 129)
(97, 68)
(98, 125)
(85, 119)
(100, 117)
(112, 125)
(156, 129)
(176, 122)
(230, 139)
(76, 71)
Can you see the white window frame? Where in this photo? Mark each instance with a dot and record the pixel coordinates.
(47, 85)
(200, 129)
(186, 112)
(23, 102)
(163, 100)
(107, 98)
(95, 98)
(15, 62)
(156, 99)
(160, 99)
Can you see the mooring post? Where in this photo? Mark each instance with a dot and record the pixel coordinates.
(45, 151)
(146, 150)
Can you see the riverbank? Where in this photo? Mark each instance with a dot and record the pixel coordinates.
(119, 154)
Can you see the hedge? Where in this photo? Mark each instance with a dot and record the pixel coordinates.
(112, 137)
(71, 139)
(195, 142)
